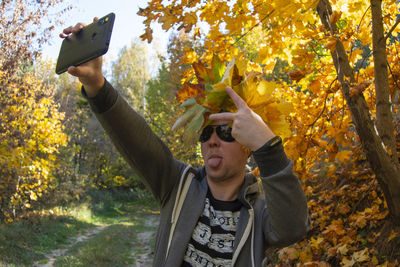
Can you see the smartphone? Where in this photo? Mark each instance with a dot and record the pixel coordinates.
(91, 42)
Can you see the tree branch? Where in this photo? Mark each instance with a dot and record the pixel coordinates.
(323, 109)
(392, 29)
(397, 85)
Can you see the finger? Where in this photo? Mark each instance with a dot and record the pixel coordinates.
(72, 29)
(237, 100)
(78, 27)
(66, 32)
(224, 116)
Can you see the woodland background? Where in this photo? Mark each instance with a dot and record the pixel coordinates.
(336, 62)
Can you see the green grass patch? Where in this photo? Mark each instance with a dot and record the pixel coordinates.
(126, 215)
(117, 245)
(26, 241)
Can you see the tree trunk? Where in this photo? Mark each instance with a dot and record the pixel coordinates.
(386, 170)
(384, 119)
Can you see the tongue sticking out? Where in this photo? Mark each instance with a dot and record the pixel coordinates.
(214, 162)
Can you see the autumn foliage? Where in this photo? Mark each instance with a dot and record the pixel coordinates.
(31, 130)
(336, 63)
(22, 33)
(30, 136)
(207, 95)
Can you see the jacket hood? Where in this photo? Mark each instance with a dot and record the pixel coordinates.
(249, 190)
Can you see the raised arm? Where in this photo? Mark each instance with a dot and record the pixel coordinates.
(134, 139)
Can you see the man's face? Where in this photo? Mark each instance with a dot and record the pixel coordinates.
(223, 160)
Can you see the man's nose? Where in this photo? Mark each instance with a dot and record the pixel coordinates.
(214, 139)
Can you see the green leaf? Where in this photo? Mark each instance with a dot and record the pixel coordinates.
(192, 129)
(187, 116)
(218, 69)
(189, 102)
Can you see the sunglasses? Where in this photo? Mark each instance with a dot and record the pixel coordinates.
(224, 133)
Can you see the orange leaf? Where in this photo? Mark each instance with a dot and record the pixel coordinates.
(335, 16)
(292, 253)
(359, 88)
(188, 91)
(148, 35)
(343, 209)
(315, 86)
(202, 73)
(343, 155)
(296, 75)
(331, 44)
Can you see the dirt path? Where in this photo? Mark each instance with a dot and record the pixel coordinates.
(54, 254)
(142, 247)
(144, 258)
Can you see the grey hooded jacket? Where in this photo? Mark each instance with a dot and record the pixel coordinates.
(274, 212)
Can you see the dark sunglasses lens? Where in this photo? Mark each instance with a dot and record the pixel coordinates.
(225, 133)
(206, 134)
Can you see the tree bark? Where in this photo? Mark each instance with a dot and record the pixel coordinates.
(384, 119)
(386, 171)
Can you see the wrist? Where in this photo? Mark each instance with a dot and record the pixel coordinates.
(93, 88)
(259, 140)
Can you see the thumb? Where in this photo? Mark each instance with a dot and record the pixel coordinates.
(75, 71)
(80, 71)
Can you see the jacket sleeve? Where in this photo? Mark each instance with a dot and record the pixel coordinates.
(141, 148)
(285, 218)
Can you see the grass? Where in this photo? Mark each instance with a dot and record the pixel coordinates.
(125, 216)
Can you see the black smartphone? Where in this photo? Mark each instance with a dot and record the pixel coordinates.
(91, 42)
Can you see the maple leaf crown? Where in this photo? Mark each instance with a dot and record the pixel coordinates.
(206, 95)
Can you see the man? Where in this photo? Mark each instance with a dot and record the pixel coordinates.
(215, 215)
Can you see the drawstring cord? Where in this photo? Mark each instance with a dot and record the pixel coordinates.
(180, 197)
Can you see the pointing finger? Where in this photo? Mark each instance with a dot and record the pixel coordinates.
(224, 116)
(239, 102)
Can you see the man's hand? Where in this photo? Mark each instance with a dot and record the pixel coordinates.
(247, 126)
(90, 74)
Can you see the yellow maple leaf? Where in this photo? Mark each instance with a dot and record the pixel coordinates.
(190, 56)
(343, 249)
(265, 88)
(343, 155)
(392, 235)
(316, 242)
(364, 36)
(361, 256)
